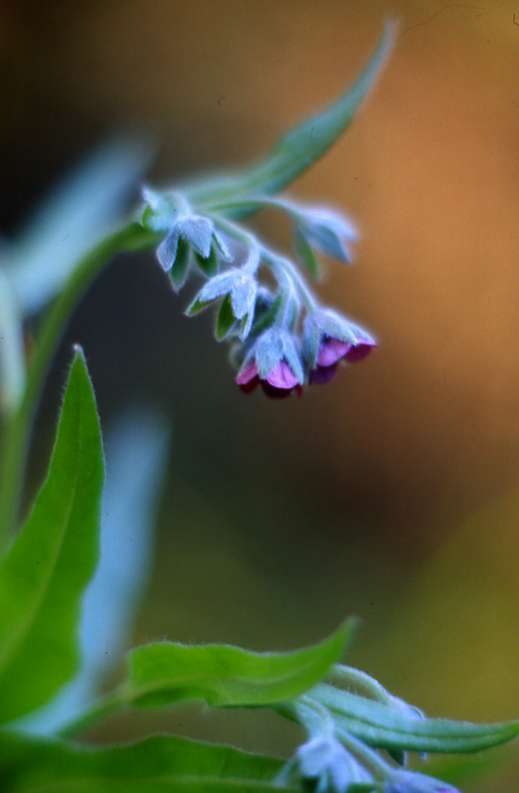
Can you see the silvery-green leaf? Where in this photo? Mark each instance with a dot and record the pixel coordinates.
(298, 149)
(382, 726)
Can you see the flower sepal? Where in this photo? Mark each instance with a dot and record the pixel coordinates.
(325, 230)
(238, 288)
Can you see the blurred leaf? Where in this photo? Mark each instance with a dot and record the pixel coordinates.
(382, 726)
(72, 219)
(299, 148)
(153, 765)
(12, 354)
(136, 446)
(44, 574)
(164, 673)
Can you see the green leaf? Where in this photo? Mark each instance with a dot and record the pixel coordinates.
(153, 765)
(298, 149)
(382, 726)
(43, 576)
(226, 319)
(164, 673)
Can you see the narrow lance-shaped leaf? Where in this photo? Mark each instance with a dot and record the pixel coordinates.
(164, 673)
(154, 765)
(47, 568)
(298, 149)
(382, 726)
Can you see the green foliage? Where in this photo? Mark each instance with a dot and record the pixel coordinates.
(44, 573)
(382, 726)
(46, 570)
(164, 673)
(299, 148)
(154, 765)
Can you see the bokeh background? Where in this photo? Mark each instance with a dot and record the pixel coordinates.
(393, 493)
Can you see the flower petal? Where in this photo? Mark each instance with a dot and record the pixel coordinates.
(359, 351)
(331, 351)
(282, 376)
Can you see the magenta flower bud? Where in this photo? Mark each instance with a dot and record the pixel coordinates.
(279, 383)
(274, 363)
(332, 351)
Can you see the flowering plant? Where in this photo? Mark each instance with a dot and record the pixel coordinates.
(282, 339)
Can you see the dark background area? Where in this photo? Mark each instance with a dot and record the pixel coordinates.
(393, 493)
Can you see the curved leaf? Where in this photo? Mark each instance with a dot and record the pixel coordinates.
(382, 726)
(154, 765)
(163, 673)
(47, 568)
(299, 148)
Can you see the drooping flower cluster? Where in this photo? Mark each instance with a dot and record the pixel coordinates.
(341, 755)
(282, 339)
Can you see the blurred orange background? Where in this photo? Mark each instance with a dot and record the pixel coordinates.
(394, 492)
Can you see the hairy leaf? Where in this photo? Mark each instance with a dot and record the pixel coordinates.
(298, 149)
(163, 673)
(154, 765)
(380, 725)
(47, 568)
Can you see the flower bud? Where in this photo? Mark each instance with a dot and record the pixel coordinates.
(324, 761)
(328, 339)
(273, 362)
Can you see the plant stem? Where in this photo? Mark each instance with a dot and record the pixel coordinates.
(17, 428)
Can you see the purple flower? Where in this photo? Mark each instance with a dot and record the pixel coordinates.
(279, 383)
(274, 362)
(332, 351)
